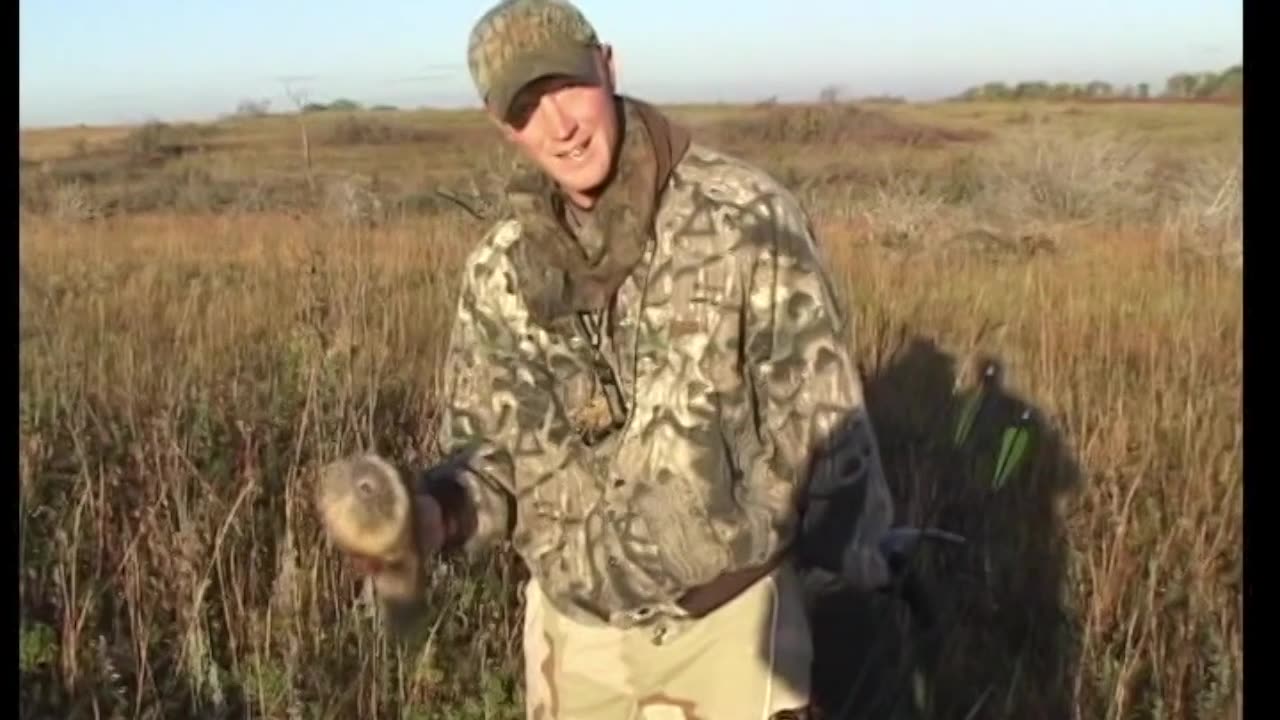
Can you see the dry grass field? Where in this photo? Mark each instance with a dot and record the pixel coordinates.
(205, 319)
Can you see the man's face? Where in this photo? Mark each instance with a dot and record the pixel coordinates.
(569, 128)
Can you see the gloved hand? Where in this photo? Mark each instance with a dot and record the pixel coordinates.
(900, 543)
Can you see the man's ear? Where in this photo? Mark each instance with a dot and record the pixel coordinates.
(610, 65)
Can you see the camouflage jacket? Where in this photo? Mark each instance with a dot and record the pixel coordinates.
(630, 457)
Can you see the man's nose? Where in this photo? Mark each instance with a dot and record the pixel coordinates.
(559, 123)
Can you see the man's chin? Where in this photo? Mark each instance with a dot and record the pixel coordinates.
(584, 183)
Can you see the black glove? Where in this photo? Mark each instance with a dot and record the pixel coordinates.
(898, 546)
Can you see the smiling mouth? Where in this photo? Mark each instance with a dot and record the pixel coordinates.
(577, 152)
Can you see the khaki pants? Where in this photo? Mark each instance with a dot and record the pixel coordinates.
(748, 659)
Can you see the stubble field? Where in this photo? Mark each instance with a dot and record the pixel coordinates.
(206, 318)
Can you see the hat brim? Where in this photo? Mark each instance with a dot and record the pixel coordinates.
(578, 63)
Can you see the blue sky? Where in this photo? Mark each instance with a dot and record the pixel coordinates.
(122, 61)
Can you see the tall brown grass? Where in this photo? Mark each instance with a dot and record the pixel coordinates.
(184, 371)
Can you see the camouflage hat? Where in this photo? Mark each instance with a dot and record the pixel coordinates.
(519, 41)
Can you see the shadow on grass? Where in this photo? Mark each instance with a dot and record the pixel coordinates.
(1002, 643)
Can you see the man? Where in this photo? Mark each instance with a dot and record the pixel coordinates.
(648, 381)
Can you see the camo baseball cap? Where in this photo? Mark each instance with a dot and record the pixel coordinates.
(519, 41)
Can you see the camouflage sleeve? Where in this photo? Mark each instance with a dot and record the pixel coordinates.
(503, 432)
(473, 482)
(818, 452)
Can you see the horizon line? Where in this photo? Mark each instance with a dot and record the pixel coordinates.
(474, 105)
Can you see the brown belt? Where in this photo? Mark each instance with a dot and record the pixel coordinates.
(705, 598)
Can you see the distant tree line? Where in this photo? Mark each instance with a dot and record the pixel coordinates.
(343, 105)
(259, 108)
(1228, 84)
